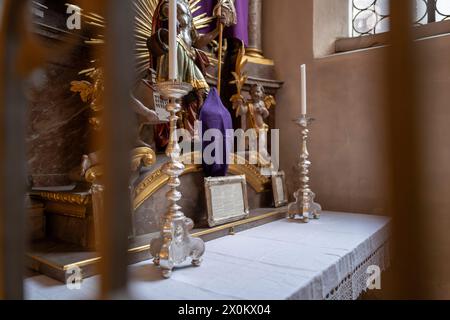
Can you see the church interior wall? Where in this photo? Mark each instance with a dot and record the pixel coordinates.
(346, 96)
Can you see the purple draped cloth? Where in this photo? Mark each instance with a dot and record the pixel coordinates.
(239, 31)
(214, 115)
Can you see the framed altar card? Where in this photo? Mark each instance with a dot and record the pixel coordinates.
(226, 199)
(280, 194)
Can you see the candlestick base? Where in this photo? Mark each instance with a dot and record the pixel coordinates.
(304, 205)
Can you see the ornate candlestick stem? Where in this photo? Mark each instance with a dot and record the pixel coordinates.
(175, 244)
(304, 206)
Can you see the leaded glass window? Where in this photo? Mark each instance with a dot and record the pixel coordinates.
(372, 16)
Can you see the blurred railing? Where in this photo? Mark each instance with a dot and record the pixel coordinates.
(21, 54)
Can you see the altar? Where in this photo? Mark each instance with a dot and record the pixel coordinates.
(67, 216)
(330, 258)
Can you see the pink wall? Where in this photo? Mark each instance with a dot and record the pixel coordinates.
(346, 96)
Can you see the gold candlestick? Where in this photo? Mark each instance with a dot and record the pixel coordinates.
(175, 244)
(304, 206)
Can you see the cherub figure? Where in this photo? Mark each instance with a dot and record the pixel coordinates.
(258, 108)
(254, 111)
(92, 92)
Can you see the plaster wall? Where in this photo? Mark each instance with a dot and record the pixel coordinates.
(346, 94)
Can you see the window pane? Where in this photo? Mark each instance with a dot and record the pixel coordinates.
(382, 7)
(442, 10)
(372, 16)
(421, 12)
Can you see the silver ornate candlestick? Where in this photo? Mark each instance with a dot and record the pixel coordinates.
(175, 244)
(304, 206)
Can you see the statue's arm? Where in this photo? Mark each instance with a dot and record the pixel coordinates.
(204, 40)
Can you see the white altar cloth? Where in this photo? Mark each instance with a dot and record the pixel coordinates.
(325, 259)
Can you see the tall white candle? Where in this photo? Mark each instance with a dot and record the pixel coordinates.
(173, 48)
(303, 68)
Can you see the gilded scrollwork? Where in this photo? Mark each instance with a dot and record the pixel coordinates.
(93, 174)
(155, 181)
(142, 157)
(65, 197)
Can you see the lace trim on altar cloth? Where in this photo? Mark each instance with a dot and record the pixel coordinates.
(355, 283)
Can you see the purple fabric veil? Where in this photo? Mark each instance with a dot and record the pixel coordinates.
(214, 115)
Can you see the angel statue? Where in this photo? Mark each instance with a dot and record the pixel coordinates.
(253, 113)
(258, 107)
(192, 62)
(92, 92)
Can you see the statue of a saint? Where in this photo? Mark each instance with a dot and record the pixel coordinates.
(192, 62)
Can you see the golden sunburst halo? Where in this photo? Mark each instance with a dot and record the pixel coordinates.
(144, 11)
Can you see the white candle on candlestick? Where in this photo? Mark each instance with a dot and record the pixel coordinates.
(173, 47)
(303, 74)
